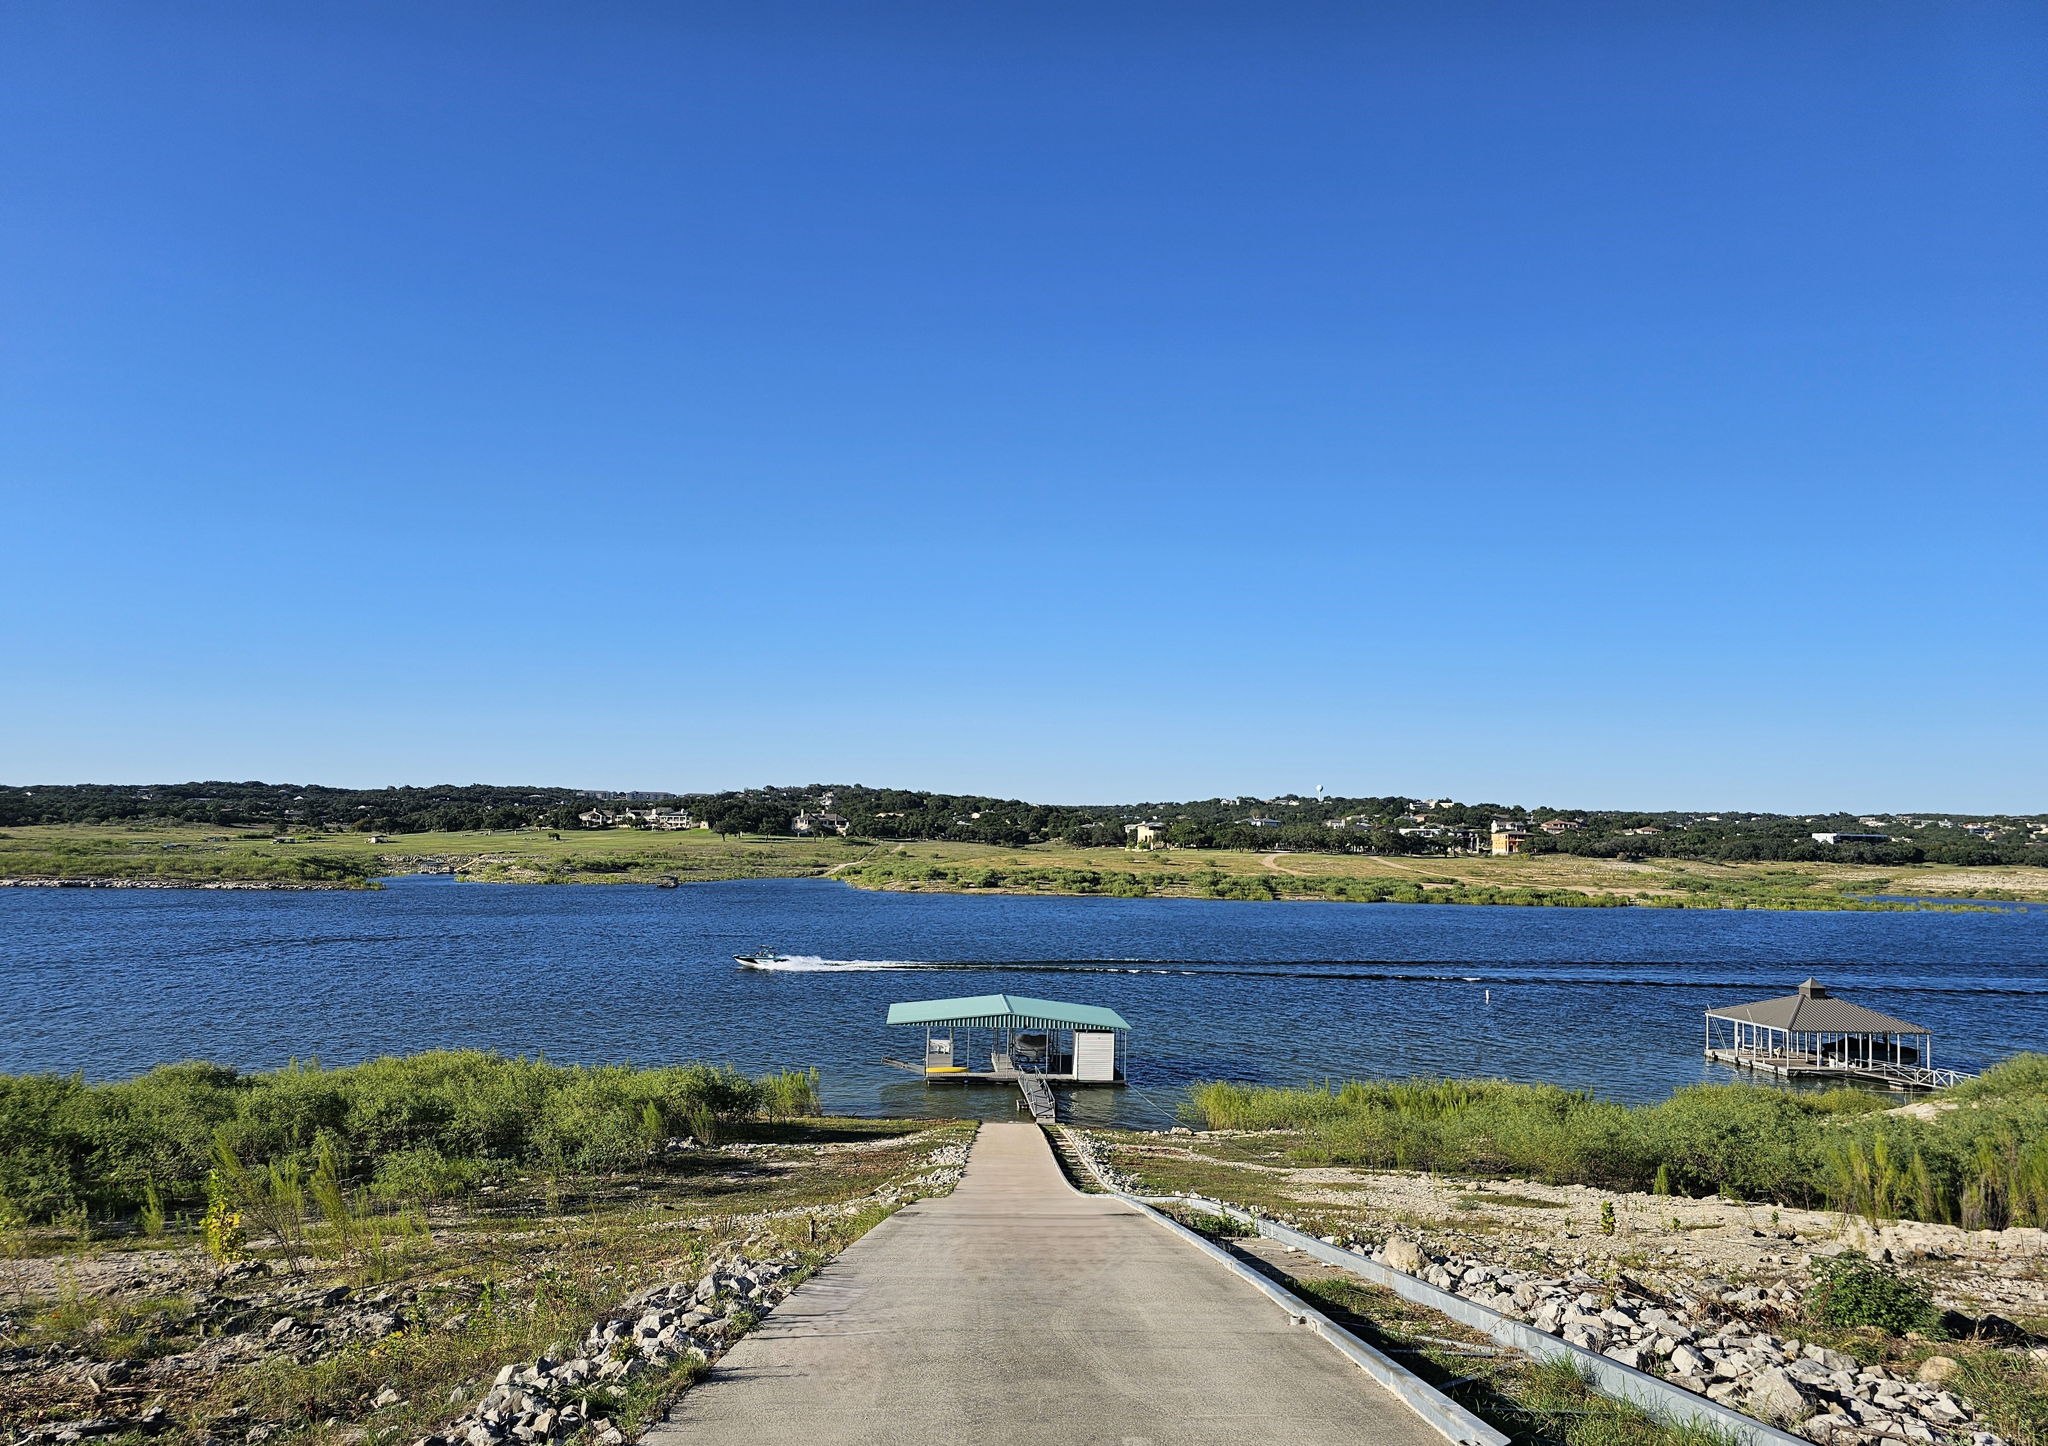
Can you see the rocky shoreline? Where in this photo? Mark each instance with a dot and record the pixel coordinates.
(1717, 1342)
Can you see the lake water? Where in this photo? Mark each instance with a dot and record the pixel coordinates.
(110, 982)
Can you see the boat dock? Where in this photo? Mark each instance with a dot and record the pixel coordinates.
(1812, 1034)
(1000, 1038)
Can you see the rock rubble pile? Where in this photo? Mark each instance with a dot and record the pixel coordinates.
(1708, 1344)
(668, 1324)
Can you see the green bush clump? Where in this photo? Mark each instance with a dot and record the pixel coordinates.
(1851, 1289)
(417, 1126)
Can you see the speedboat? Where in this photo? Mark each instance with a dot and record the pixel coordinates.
(761, 959)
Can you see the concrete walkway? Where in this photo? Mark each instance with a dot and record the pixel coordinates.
(1018, 1311)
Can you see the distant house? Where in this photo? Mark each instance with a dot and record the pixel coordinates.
(596, 818)
(1507, 837)
(1465, 840)
(1643, 832)
(820, 822)
(1151, 831)
(672, 818)
(1842, 838)
(1260, 822)
(1559, 825)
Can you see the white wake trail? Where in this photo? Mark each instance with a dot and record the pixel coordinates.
(813, 964)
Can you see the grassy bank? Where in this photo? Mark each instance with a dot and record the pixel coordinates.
(189, 854)
(416, 1129)
(377, 1324)
(894, 872)
(1976, 1155)
(180, 853)
(1543, 880)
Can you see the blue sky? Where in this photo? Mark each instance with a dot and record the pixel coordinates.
(1601, 405)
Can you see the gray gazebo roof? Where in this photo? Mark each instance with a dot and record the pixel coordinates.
(1815, 1011)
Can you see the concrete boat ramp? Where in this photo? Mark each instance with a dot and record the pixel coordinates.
(1019, 1310)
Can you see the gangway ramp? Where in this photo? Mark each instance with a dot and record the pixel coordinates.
(1038, 1098)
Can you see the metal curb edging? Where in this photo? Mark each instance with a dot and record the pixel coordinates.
(1437, 1410)
(1608, 1376)
(1433, 1406)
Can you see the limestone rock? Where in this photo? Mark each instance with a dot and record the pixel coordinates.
(1776, 1396)
(1403, 1255)
(1685, 1361)
(1937, 1369)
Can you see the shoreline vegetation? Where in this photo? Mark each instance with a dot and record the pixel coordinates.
(197, 1255)
(1973, 1156)
(180, 855)
(408, 1131)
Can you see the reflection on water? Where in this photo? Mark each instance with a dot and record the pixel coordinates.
(109, 982)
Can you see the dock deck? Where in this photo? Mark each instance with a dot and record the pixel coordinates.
(1808, 1066)
(1004, 1074)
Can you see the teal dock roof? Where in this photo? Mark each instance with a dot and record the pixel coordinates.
(1006, 1011)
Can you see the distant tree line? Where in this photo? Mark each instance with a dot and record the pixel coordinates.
(286, 806)
(1291, 823)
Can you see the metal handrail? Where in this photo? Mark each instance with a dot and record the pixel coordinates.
(1039, 1097)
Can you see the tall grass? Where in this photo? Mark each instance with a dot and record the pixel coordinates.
(416, 1127)
(1982, 1165)
(790, 1094)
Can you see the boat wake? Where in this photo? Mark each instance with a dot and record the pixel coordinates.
(1561, 975)
(813, 964)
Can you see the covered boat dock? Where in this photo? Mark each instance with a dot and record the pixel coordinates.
(1001, 1038)
(1814, 1034)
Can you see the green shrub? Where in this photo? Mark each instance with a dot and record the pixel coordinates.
(1851, 1289)
(424, 1174)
